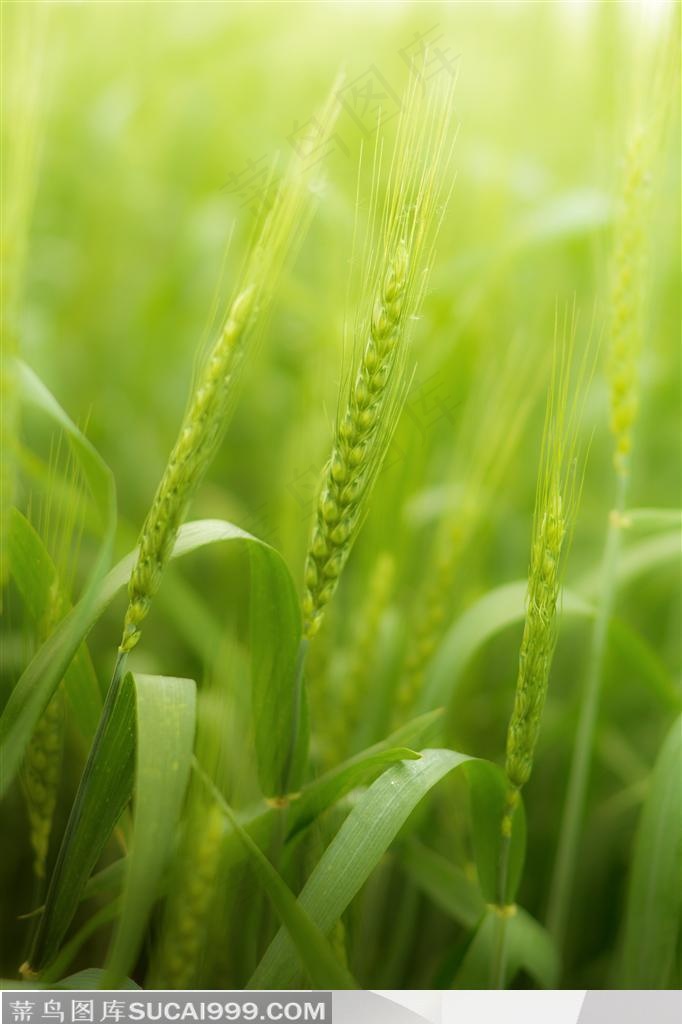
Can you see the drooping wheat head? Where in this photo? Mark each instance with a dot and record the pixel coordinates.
(399, 257)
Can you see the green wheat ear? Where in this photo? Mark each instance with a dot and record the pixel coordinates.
(207, 413)
(397, 268)
(558, 488)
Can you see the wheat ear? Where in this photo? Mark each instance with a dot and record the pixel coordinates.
(559, 482)
(555, 506)
(180, 950)
(398, 266)
(207, 413)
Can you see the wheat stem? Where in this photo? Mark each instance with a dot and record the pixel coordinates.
(627, 297)
(574, 807)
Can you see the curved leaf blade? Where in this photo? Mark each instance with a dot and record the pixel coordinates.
(495, 611)
(33, 691)
(35, 576)
(355, 851)
(99, 477)
(317, 956)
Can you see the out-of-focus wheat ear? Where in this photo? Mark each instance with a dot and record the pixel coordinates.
(397, 265)
(211, 400)
(627, 298)
(655, 83)
(184, 929)
(484, 449)
(40, 777)
(60, 527)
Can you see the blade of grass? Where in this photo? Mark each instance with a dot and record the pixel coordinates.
(638, 559)
(529, 948)
(315, 952)
(166, 714)
(98, 806)
(35, 576)
(99, 477)
(276, 626)
(314, 799)
(356, 850)
(40, 679)
(443, 882)
(654, 904)
(495, 611)
(105, 915)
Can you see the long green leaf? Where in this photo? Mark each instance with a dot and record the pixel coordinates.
(40, 679)
(356, 850)
(166, 718)
(87, 979)
(315, 798)
(638, 558)
(276, 676)
(38, 682)
(334, 784)
(101, 799)
(35, 576)
(654, 908)
(317, 956)
(443, 882)
(495, 611)
(97, 474)
(104, 916)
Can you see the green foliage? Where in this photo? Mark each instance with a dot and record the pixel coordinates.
(652, 921)
(164, 738)
(287, 820)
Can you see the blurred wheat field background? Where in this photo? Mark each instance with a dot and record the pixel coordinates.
(451, 364)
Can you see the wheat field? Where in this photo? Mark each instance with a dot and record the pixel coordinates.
(340, 520)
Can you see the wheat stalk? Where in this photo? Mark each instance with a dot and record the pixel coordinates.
(558, 489)
(628, 293)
